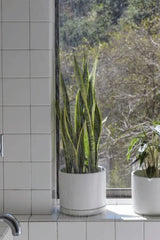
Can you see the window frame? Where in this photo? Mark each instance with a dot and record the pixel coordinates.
(111, 193)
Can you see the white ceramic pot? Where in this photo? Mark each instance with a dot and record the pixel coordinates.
(82, 194)
(145, 194)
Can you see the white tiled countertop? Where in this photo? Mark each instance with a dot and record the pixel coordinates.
(111, 213)
(117, 222)
(5, 232)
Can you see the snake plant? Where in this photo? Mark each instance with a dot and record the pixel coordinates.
(81, 136)
(145, 149)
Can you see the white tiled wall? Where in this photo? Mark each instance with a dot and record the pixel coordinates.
(26, 49)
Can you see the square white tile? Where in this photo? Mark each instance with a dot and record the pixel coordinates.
(152, 230)
(42, 230)
(42, 202)
(15, 35)
(40, 10)
(0, 64)
(1, 175)
(15, 10)
(16, 91)
(17, 202)
(17, 148)
(129, 230)
(0, 91)
(17, 176)
(40, 119)
(41, 63)
(0, 31)
(16, 119)
(41, 148)
(41, 176)
(1, 200)
(40, 91)
(41, 37)
(71, 230)
(100, 231)
(25, 229)
(0, 119)
(15, 64)
(0, 8)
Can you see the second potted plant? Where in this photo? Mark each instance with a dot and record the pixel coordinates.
(145, 150)
(82, 183)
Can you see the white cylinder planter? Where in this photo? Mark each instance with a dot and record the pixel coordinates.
(145, 194)
(82, 194)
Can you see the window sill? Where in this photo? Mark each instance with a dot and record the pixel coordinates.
(113, 213)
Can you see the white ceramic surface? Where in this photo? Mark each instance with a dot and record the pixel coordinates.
(82, 194)
(145, 194)
(42, 230)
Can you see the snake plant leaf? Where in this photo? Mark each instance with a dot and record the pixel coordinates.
(91, 140)
(81, 141)
(80, 80)
(86, 112)
(86, 142)
(64, 95)
(67, 146)
(69, 156)
(97, 131)
(70, 141)
(80, 150)
(70, 129)
(91, 91)
(85, 75)
(92, 76)
(90, 98)
(79, 113)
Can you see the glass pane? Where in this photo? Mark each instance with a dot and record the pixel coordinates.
(125, 34)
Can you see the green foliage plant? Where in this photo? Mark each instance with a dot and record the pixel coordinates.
(81, 136)
(145, 150)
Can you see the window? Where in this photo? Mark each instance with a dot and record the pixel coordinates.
(126, 35)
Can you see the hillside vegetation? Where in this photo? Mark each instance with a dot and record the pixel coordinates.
(126, 34)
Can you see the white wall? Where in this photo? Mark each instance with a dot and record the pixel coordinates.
(26, 65)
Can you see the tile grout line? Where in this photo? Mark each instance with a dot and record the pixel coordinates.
(30, 105)
(115, 229)
(2, 99)
(28, 227)
(57, 228)
(86, 229)
(23, 21)
(25, 49)
(143, 230)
